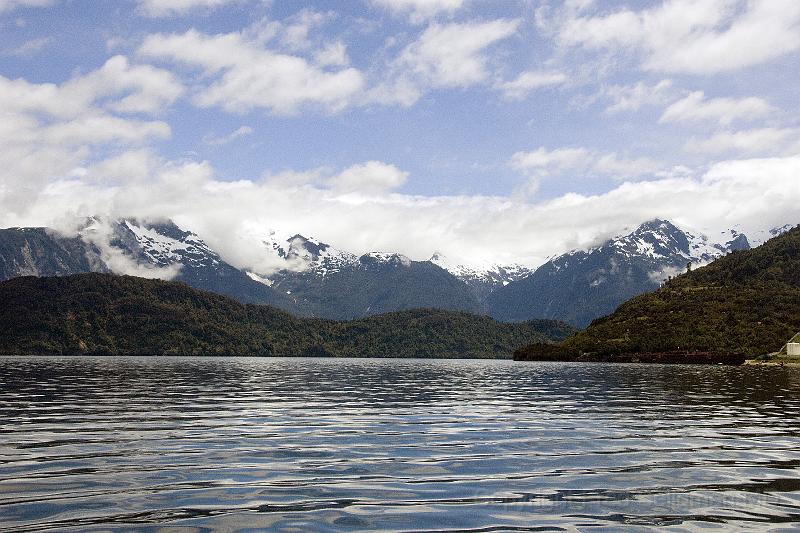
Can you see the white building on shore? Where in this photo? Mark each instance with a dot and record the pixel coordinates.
(792, 348)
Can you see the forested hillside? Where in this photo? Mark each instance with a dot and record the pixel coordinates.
(122, 315)
(746, 302)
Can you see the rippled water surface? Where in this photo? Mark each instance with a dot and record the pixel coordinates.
(394, 445)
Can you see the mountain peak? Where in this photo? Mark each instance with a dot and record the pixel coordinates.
(657, 224)
(386, 258)
(305, 248)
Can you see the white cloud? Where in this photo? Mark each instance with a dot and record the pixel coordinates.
(170, 8)
(146, 89)
(528, 81)
(238, 133)
(332, 55)
(634, 97)
(295, 31)
(49, 131)
(236, 217)
(128, 167)
(624, 168)
(102, 128)
(444, 56)
(420, 10)
(696, 107)
(101, 234)
(242, 74)
(116, 85)
(8, 5)
(452, 55)
(543, 161)
(762, 141)
(578, 160)
(692, 36)
(369, 178)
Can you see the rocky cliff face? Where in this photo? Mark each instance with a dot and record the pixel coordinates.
(43, 252)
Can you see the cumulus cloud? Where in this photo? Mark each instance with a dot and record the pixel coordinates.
(369, 177)
(579, 161)
(49, 130)
(117, 86)
(451, 55)
(239, 73)
(696, 107)
(87, 145)
(235, 217)
(295, 31)
(749, 142)
(420, 10)
(634, 97)
(169, 8)
(332, 55)
(545, 161)
(526, 82)
(444, 56)
(690, 36)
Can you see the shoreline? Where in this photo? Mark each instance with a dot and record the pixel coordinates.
(772, 362)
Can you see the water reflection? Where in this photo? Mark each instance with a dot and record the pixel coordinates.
(395, 445)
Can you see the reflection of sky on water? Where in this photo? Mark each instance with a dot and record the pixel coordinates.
(394, 444)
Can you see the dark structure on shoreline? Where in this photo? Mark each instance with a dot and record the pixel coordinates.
(549, 352)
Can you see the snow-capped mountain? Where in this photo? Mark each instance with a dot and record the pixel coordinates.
(327, 282)
(157, 250)
(760, 237)
(482, 279)
(660, 240)
(317, 279)
(153, 245)
(313, 272)
(308, 254)
(580, 286)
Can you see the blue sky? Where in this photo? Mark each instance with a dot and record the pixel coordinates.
(492, 131)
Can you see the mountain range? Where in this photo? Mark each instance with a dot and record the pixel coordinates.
(746, 302)
(318, 280)
(580, 286)
(106, 314)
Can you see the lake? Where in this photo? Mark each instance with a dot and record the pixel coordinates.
(222, 444)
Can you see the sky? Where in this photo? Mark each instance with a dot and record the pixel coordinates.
(488, 131)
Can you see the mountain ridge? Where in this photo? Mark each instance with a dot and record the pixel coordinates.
(107, 314)
(745, 302)
(313, 278)
(582, 285)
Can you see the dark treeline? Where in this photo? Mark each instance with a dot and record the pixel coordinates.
(103, 314)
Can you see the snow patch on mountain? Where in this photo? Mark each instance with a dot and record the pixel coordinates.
(385, 258)
(166, 244)
(103, 234)
(760, 237)
(665, 247)
(298, 253)
(490, 274)
(255, 277)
